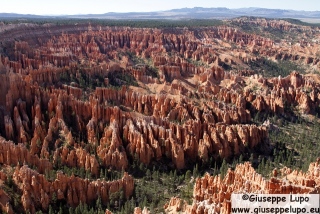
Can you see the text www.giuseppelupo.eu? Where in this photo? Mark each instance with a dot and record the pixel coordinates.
(275, 203)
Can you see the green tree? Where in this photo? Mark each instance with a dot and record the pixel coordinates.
(195, 172)
(223, 169)
(188, 175)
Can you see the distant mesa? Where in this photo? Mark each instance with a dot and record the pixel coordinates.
(182, 13)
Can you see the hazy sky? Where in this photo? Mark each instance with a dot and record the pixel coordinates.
(103, 6)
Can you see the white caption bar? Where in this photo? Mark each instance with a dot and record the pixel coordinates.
(275, 203)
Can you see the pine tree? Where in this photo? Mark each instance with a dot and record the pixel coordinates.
(241, 159)
(98, 204)
(195, 171)
(148, 175)
(71, 211)
(223, 169)
(175, 175)
(188, 176)
(60, 210)
(144, 202)
(50, 210)
(251, 158)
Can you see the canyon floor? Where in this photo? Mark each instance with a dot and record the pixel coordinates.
(156, 116)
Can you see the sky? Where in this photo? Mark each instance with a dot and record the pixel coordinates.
(71, 7)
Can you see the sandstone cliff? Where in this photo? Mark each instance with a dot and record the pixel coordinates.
(212, 194)
(37, 191)
(96, 97)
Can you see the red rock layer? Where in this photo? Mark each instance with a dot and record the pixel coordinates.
(293, 90)
(138, 210)
(180, 128)
(5, 205)
(212, 194)
(174, 129)
(37, 191)
(197, 110)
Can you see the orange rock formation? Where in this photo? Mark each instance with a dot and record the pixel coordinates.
(212, 194)
(59, 106)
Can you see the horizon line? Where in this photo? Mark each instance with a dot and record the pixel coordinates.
(81, 14)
